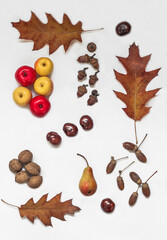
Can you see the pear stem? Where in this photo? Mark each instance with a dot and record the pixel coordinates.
(83, 158)
(120, 158)
(142, 140)
(151, 176)
(9, 204)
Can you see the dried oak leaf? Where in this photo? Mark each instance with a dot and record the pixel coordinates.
(135, 83)
(52, 33)
(44, 209)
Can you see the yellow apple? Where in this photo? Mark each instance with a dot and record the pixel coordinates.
(43, 86)
(43, 66)
(22, 96)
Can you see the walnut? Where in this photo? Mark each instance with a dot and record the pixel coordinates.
(22, 177)
(25, 156)
(35, 181)
(15, 165)
(32, 168)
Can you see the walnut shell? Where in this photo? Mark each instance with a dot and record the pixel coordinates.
(32, 168)
(35, 181)
(25, 156)
(22, 177)
(15, 165)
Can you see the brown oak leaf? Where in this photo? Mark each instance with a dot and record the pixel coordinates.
(52, 33)
(135, 83)
(44, 209)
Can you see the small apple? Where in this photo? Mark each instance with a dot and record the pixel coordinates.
(43, 86)
(39, 106)
(25, 75)
(22, 96)
(43, 66)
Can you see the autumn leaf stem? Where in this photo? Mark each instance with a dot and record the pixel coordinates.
(143, 140)
(92, 30)
(135, 132)
(9, 204)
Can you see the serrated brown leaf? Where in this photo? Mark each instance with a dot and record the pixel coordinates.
(135, 83)
(52, 33)
(44, 209)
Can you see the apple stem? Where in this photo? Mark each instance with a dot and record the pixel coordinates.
(151, 176)
(25, 74)
(83, 158)
(9, 204)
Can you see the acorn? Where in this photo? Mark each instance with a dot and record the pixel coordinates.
(146, 189)
(120, 183)
(82, 90)
(133, 198)
(84, 59)
(82, 74)
(93, 78)
(94, 62)
(93, 98)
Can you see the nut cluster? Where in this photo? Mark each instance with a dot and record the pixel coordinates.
(82, 90)
(144, 185)
(31, 171)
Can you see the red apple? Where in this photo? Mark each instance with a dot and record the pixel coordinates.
(39, 106)
(25, 75)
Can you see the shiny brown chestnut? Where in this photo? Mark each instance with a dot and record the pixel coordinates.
(70, 129)
(86, 122)
(123, 28)
(54, 138)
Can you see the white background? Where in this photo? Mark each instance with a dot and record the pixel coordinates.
(61, 167)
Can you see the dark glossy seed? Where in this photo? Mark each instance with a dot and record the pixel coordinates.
(140, 156)
(123, 28)
(54, 138)
(146, 189)
(86, 122)
(107, 205)
(135, 178)
(111, 166)
(133, 198)
(120, 183)
(70, 129)
(91, 47)
(129, 146)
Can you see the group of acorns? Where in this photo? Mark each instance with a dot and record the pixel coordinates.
(32, 170)
(134, 176)
(82, 90)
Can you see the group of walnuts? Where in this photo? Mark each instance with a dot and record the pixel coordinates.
(32, 170)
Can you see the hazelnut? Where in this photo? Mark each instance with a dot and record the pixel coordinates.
(15, 165)
(25, 156)
(32, 168)
(35, 181)
(21, 177)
